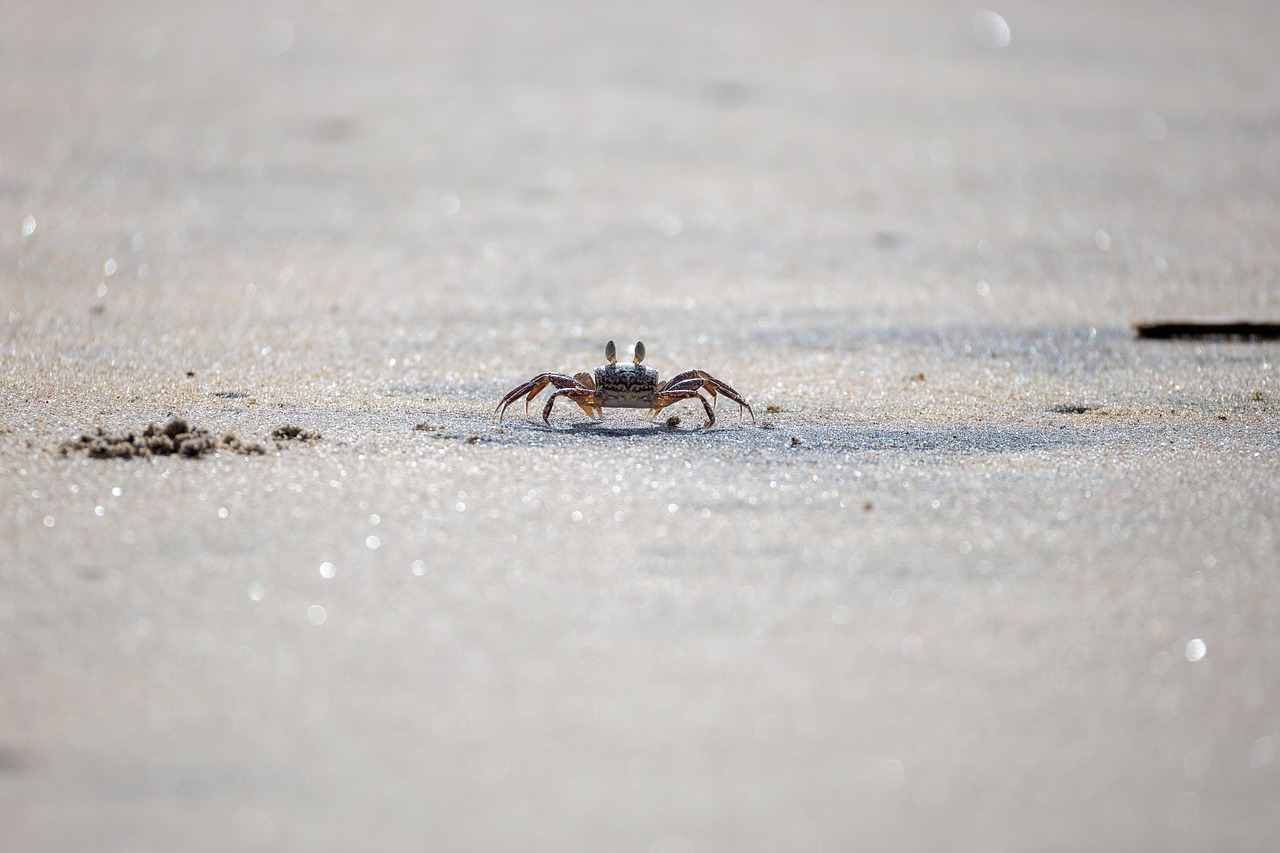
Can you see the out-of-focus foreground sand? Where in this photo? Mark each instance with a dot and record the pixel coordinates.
(994, 576)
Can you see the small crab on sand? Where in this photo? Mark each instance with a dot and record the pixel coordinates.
(624, 386)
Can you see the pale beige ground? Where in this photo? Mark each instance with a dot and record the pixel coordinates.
(998, 577)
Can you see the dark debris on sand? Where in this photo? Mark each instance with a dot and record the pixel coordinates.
(177, 437)
(289, 432)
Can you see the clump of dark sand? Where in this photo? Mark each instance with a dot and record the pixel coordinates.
(289, 432)
(177, 437)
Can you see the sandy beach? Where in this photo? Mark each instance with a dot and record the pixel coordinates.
(986, 571)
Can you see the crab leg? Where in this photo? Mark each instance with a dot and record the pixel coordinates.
(584, 397)
(587, 380)
(706, 382)
(665, 398)
(533, 388)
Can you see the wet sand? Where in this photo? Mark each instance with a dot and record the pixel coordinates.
(987, 572)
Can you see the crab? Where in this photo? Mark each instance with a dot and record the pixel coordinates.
(624, 386)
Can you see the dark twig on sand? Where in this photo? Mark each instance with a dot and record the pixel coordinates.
(1244, 330)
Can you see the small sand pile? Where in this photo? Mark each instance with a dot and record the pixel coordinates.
(175, 437)
(289, 432)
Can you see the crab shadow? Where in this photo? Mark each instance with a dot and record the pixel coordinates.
(538, 432)
(940, 442)
(642, 430)
(587, 428)
(944, 440)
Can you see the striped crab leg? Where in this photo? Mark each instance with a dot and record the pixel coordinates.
(584, 397)
(534, 387)
(705, 381)
(665, 398)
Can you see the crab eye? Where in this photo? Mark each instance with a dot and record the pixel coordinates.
(611, 352)
(639, 351)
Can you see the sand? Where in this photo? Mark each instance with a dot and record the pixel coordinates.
(987, 572)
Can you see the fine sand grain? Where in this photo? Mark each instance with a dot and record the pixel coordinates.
(988, 572)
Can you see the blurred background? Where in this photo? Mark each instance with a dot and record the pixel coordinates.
(999, 578)
(930, 162)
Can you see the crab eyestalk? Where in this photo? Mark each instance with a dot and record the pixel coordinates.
(639, 351)
(611, 352)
